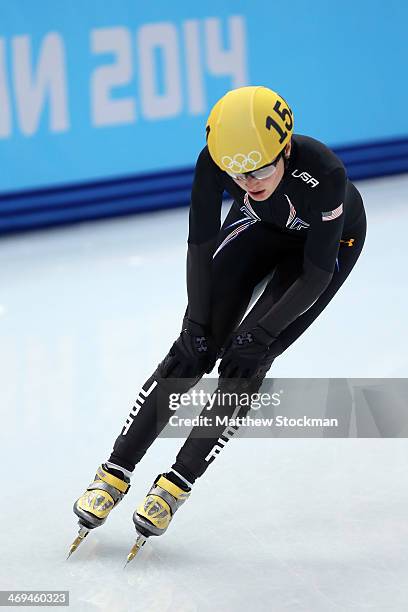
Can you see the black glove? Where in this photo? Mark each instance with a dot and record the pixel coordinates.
(246, 354)
(192, 354)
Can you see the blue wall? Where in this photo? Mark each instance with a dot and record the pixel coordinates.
(102, 94)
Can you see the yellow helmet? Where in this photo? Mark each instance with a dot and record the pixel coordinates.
(247, 129)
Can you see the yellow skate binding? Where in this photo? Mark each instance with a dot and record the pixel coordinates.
(94, 506)
(155, 513)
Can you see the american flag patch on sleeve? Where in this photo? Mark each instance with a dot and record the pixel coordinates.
(332, 214)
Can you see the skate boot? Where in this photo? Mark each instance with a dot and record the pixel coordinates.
(103, 494)
(154, 514)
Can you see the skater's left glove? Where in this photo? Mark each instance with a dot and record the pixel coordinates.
(246, 353)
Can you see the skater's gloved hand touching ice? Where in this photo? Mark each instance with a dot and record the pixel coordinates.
(246, 353)
(193, 353)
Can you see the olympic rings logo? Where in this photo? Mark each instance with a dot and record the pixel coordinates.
(242, 163)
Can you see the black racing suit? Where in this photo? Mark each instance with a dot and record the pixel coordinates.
(309, 233)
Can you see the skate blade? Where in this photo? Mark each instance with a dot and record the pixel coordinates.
(140, 540)
(83, 532)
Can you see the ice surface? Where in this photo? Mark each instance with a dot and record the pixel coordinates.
(86, 313)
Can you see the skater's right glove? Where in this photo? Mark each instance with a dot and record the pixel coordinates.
(192, 354)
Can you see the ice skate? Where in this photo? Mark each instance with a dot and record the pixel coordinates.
(155, 513)
(94, 506)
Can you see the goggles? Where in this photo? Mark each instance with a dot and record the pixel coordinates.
(261, 173)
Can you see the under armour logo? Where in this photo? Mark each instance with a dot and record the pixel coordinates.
(244, 338)
(349, 242)
(201, 344)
